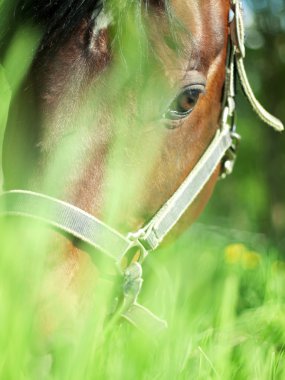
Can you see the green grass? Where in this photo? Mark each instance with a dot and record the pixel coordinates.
(223, 302)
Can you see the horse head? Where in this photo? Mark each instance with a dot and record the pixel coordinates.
(145, 113)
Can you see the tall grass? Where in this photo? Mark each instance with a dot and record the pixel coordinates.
(224, 304)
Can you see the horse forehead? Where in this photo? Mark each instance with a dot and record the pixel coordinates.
(204, 19)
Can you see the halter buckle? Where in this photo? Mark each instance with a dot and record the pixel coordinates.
(229, 160)
(132, 283)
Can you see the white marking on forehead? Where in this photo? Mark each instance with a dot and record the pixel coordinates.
(198, 22)
(102, 21)
(215, 66)
(190, 13)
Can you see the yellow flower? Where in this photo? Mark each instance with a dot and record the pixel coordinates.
(239, 254)
(250, 259)
(234, 253)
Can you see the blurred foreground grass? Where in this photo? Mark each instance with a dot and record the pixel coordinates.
(222, 293)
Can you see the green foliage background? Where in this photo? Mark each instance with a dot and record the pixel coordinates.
(254, 197)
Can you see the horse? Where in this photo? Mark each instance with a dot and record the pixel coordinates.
(123, 122)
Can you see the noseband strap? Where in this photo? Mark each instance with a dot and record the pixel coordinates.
(87, 228)
(67, 219)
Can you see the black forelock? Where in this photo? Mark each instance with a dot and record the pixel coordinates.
(57, 18)
(64, 15)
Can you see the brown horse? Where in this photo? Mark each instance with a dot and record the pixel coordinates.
(136, 91)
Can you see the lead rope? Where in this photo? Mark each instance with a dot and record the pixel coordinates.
(138, 315)
(237, 36)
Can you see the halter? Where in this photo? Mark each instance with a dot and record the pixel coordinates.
(101, 237)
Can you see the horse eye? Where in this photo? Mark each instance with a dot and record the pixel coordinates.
(184, 102)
